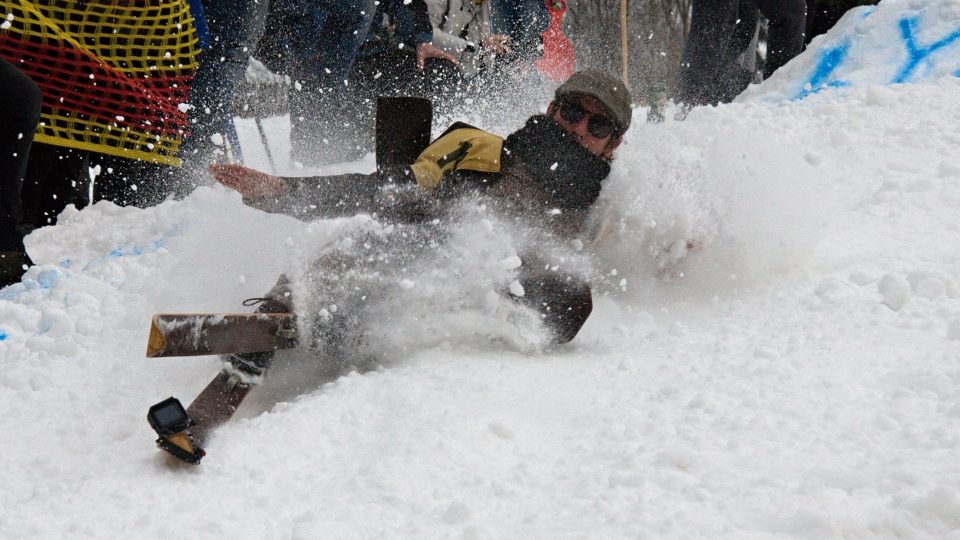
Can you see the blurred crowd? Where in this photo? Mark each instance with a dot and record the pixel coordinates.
(93, 110)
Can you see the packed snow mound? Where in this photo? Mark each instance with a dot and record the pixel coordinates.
(896, 41)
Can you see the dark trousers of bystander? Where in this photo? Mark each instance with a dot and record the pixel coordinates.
(235, 27)
(19, 114)
(720, 30)
(315, 43)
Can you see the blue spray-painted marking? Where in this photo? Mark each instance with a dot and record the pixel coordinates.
(137, 250)
(830, 59)
(956, 73)
(917, 54)
(4, 335)
(47, 277)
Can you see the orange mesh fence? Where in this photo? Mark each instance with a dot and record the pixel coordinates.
(113, 74)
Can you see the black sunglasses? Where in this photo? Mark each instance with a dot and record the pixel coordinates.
(599, 125)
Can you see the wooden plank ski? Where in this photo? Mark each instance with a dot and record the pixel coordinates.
(183, 433)
(215, 405)
(193, 334)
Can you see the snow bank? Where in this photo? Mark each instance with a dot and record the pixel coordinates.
(894, 42)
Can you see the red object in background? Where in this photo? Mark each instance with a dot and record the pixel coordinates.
(558, 57)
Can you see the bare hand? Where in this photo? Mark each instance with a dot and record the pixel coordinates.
(250, 183)
(428, 50)
(497, 44)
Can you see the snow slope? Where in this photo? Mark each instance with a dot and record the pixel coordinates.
(797, 374)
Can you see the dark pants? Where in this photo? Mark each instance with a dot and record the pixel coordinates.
(523, 21)
(719, 33)
(235, 27)
(315, 43)
(56, 177)
(19, 114)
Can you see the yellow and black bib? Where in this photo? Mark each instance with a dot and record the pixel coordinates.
(461, 148)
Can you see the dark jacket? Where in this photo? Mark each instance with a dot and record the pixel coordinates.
(538, 171)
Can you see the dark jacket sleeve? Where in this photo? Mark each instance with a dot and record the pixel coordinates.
(324, 197)
(318, 197)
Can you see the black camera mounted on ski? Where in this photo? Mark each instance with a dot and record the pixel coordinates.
(171, 422)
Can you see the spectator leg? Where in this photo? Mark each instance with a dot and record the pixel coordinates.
(324, 42)
(707, 51)
(785, 38)
(19, 114)
(235, 27)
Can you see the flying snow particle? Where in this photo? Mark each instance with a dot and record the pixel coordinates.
(217, 139)
(511, 263)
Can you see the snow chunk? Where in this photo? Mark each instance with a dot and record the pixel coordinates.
(511, 263)
(895, 291)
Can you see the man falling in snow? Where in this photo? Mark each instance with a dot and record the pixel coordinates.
(546, 174)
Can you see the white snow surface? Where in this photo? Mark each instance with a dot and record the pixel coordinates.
(794, 372)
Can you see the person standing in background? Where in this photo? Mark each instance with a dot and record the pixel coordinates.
(233, 29)
(19, 114)
(720, 32)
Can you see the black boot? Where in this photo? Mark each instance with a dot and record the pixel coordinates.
(278, 300)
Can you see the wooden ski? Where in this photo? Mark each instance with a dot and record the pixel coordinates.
(193, 334)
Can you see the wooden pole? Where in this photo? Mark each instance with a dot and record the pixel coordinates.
(624, 52)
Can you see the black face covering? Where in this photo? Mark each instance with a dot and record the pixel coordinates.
(555, 160)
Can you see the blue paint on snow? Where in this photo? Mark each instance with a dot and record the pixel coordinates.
(917, 54)
(47, 277)
(830, 59)
(137, 250)
(4, 335)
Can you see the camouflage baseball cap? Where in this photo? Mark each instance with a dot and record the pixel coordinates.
(605, 88)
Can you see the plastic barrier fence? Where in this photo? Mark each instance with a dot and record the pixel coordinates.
(114, 74)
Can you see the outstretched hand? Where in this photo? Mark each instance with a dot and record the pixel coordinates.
(250, 183)
(428, 50)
